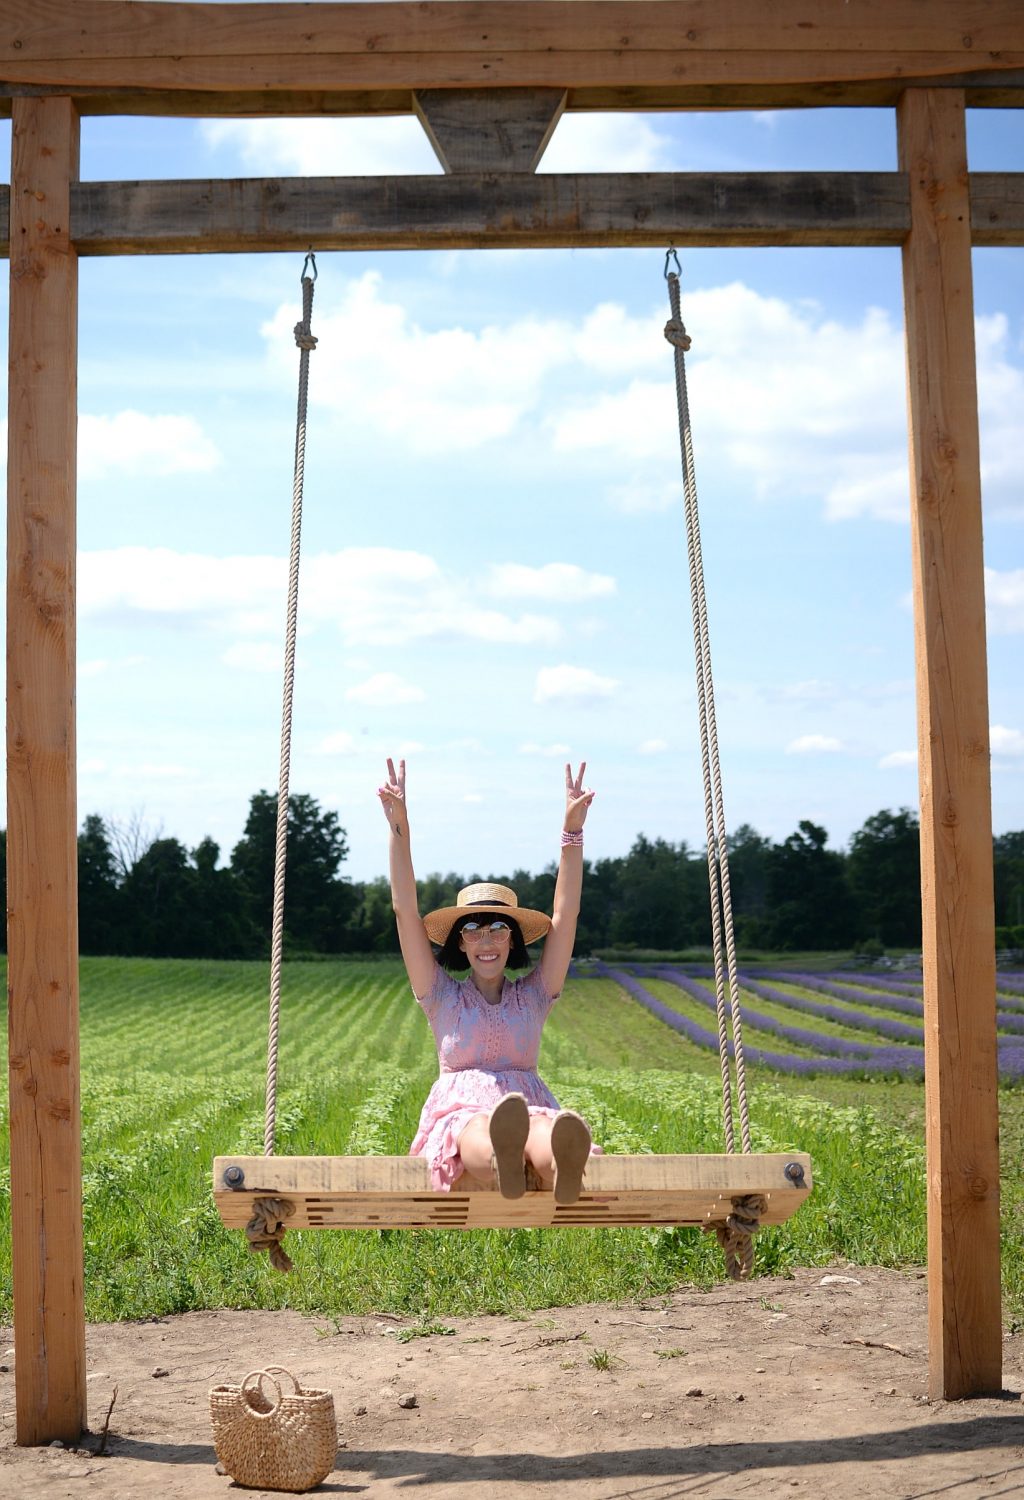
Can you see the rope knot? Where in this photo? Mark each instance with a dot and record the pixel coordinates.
(736, 1235)
(265, 1230)
(677, 334)
(303, 338)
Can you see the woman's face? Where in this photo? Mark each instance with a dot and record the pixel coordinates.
(486, 945)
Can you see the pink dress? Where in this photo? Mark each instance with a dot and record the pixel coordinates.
(485, 1052)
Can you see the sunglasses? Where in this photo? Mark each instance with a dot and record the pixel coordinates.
(474, 931)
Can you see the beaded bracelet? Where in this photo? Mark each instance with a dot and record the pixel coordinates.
(575, 840)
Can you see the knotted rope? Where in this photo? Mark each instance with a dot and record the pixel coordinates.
(306, 343)
(265, 1230)
(736, 1235)
(726, 999)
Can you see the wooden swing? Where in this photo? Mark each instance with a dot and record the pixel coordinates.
(730, 1194)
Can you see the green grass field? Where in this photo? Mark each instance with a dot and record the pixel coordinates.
(173, 1060)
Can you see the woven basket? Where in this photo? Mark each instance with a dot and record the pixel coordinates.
(286, 1443)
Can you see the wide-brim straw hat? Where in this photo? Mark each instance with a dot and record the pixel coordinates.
(479, 900)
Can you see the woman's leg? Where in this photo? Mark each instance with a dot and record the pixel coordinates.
(476, 1151)
(538, 1150)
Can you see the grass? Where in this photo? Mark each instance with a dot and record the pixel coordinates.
(173, 1057)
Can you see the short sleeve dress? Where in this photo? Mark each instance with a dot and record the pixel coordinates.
(485, 1052)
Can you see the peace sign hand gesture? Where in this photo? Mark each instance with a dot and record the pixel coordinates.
(577, 799)
(392, 796)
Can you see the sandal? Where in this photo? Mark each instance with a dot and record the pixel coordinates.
(509, 1128)
(570, 1147)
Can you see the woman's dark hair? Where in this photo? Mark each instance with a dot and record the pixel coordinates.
(450, 956)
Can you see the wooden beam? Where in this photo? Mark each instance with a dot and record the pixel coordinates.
(42, 885)
(961, 1080)
(182, 48)
(489, 130)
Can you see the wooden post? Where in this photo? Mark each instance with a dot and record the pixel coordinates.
(42, 886)
(961, 1093)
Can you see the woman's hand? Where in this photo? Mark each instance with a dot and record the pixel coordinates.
(577, 799)
(392, 797)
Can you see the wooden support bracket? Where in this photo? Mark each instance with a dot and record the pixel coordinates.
(489, 130)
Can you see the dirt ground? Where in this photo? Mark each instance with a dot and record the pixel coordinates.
(812, 1386)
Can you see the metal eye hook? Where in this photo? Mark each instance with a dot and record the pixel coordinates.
(671, 255)
(309, 261)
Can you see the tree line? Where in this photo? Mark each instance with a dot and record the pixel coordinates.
(141, 894)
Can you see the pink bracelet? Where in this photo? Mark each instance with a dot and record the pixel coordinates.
(573, 840)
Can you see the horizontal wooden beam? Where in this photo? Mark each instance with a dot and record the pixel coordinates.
(486, 211)
(682, 49)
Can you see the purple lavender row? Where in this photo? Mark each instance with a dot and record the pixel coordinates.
(906, 1061)
(876, 982)
(1007, 1020)
(815, 1040)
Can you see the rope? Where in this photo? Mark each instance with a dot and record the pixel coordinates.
(736, 1235)
(265, 1230)
(722, 930)
(306, 344)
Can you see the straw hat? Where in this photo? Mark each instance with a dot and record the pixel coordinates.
(483, 899)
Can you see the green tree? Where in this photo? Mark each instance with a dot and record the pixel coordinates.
(318, 905)
(663, 898)
(99, 895)
(884, 872)
(1008, 849)
(808, 897)
(158, 902)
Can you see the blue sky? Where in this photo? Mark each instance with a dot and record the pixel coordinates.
(494, 571)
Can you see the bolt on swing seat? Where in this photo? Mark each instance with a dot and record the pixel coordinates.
(732, 1194)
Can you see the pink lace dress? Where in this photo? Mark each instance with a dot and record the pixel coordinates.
(485, 1052)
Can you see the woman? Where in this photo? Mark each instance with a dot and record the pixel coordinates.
(489, 1115)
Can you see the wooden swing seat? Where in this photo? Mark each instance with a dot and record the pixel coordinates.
(394, 1192)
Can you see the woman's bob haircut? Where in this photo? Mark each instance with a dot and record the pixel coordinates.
(454, 958)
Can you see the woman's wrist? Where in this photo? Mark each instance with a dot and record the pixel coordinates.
(572, 838)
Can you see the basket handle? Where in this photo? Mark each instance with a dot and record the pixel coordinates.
(273, 1370)
(259, 1376)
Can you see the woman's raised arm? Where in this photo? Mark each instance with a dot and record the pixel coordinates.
(412, 937)
(558, 945)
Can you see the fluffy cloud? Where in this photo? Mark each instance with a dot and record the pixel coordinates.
(1006, 741)
(607, 143)
(377, 146)
(652, 747)
(255, 656)
(898, 758)
(1004, 599)
(566, 684)
(814, 744)
(385, 690)
(531, 749)
(132, 443)
(339, 743)
(375, 596)
(556, 583)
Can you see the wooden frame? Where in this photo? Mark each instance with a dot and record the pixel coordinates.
(63, 58)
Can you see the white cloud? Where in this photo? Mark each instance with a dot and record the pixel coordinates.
(1004, 599)
(444, 390)
(255, 656)
(365, 147)
(555, 583)
(132, 443)
(812, 690)
(1006, 741)
(472, 797)
(156, 771)
(375, 596)
(93, 768)
(813, 744)
(566, 684)
(339, 743)
(385, 690)
(606, 143)
(642, 497)
(532, 749)
(898, 758)
(652, 747)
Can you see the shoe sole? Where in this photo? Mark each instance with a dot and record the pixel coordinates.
(570, 1147)
(509, 1129)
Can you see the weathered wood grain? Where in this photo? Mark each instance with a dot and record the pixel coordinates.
(961, 1081)
(374, 1192)
(489, 130)
(42, 886)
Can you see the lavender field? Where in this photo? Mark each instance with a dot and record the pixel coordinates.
(862, 1025)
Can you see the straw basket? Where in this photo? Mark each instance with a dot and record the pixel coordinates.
(286, 1443)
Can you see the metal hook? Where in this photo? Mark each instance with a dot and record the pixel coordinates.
(310, 259)
(670, 255)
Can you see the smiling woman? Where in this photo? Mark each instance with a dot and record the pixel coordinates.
(489, 1115)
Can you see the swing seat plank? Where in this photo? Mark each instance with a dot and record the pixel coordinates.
(394, 1192)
